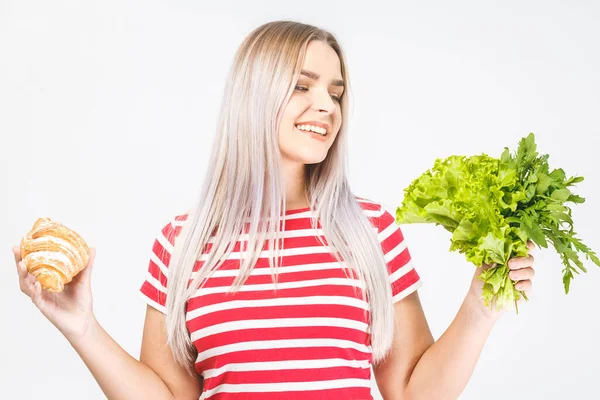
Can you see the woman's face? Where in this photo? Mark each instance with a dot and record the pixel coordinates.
(315, 102)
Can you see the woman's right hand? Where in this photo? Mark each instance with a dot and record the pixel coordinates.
(70, 311)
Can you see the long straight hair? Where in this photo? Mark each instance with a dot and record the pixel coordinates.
(243, 191)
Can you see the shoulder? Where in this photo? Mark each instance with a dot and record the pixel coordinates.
(170, 230)
(373, 208)
(383, 217)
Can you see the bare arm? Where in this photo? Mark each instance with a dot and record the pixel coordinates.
(159, 358)
(120, 376)
(409, 344)
(451, 360)
(419, 367)
(445, 368)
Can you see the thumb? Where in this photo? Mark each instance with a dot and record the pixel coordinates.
(86, 274)
(482, 268)
(485, 267)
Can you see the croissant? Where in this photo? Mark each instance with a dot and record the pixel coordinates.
(53, 253)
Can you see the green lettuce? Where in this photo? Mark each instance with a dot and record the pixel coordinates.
(493, 207)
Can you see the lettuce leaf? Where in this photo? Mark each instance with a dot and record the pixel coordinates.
(493, 206)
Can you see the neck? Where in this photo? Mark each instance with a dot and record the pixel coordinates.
(295, 185)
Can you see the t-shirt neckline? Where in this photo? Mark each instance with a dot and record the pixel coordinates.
(297, 210)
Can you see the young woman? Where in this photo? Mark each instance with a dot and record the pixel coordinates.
(280, 283)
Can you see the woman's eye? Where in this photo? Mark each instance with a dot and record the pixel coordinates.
(335, 98)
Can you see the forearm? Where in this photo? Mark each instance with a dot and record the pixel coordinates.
(446, 367)
(119, 375)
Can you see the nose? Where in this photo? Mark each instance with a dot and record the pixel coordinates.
(322, 101)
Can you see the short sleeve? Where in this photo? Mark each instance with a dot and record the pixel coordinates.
(403, 275)
(154, 288)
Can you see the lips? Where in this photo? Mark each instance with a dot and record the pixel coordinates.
(313, 135)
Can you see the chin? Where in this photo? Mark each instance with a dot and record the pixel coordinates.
(315, 160)
(306, 158)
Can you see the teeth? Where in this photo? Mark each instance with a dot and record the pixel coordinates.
(316, 129)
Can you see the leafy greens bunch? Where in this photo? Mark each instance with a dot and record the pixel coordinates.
(493, 207)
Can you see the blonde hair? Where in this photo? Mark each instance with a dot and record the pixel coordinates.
(244, 184)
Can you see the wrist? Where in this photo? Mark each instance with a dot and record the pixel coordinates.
(88, 331)
(476, 310)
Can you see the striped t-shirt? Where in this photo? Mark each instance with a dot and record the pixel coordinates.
(307, 340)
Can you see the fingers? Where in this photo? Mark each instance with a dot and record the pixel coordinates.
(524, 286)
(522, 278)
(85, 274)
(36, 293)
(520, 262)
(485, 266)
(522, 274)
(28, 283)
(530, 245)
(17, 253)
(26, 280)
(92, 256)
(21, 270)
(30, 286)
(21, 267)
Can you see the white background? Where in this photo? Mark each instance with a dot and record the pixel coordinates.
(108, 110)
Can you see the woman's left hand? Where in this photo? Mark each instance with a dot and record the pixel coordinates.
(521, 273)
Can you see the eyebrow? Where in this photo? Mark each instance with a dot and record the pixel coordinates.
(314, 76)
